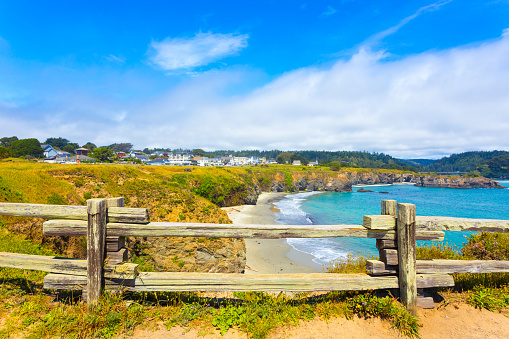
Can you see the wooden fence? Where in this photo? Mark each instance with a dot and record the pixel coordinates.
(106, 223)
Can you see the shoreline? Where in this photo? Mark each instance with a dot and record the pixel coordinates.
(269, 256)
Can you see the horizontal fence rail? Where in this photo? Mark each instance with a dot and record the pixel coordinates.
(64, 265)
(178, 229)
(423, 223)
(115, 214)
(377, 267)
(305, 282)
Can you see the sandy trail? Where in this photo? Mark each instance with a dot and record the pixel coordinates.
(458, 321)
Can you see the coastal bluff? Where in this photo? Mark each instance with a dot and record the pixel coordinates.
(343, 181)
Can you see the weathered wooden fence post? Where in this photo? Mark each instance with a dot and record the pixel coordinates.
(116, 251)
(97, 210)
(389, 207)
(388, 248)
(407, 256)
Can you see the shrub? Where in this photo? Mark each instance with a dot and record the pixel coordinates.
(487, 246)
(349, 264)
(56, 199)
(439, 251)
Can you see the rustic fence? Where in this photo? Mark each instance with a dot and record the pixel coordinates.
(106, 223)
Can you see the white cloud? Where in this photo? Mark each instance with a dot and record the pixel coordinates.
(204, 48)
(425, 105)
(329, 11)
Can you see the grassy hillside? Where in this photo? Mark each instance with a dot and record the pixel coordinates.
(167, 193)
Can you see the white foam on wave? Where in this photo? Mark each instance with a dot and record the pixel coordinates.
(290, 213)
(324, 250)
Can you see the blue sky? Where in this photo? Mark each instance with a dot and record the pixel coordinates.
(413, 79)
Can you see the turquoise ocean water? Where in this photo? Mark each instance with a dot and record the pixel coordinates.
(349, 208)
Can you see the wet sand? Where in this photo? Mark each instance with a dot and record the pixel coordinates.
(269, 255)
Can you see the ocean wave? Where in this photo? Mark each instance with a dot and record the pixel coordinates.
(374, 185)
(324, 250)
(290, 213)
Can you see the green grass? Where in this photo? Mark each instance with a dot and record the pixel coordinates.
(488, 290)
(349, 264)
(35, 313)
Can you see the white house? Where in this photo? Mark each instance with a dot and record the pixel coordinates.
(49, 151)
(202, 161)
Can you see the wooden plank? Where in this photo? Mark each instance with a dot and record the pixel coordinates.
(425, 302)
(379, 222)
(434, 280)
(116, 244)
(117, 257)
(424, 223)
(462, 224)
(406, 256)
(389, 207)
(389, 256)
(177, 282)
(383, 244)
(377, 267)
(97, 211)
(115, 214)
(461, 266)
(175, 229)
(115, 202)
(64, 265)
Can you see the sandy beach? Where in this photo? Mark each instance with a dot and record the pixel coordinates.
(269, 255)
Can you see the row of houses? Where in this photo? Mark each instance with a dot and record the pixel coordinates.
(190, 160)
(52, 155)
(161, 158)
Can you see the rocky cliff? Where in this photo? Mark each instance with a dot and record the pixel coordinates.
(457, 182)
(343, 181)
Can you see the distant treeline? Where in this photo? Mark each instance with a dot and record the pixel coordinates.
(490, 164)
(462, 162)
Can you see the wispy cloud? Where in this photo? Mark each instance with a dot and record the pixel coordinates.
(114, 58)
(329, 11)
(187, 53)
(376, 38)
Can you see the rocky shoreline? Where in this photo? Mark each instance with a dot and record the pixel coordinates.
(343, 181)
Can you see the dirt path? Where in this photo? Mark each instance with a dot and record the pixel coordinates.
(459, 321)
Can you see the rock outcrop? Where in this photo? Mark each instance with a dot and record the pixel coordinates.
(343, 181)
(190, 254)
(457, 182)
(252, 196)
